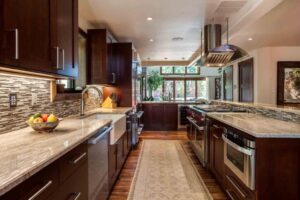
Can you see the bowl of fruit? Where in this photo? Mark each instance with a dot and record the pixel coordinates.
(43, 122)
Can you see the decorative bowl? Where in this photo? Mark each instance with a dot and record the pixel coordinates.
(44, 126)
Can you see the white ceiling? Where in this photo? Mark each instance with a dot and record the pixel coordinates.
(127, 20)
(279, 27)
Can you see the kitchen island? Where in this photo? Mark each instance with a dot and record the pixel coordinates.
(252, 155)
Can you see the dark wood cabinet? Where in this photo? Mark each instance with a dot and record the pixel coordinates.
(60, 180)
(246, 81)
(100, 70)
(65, 36)
(39, 36)
(216, 151)
(160, 116)
(117, 155)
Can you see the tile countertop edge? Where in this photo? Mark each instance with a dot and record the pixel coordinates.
(12, 183)
(253, 134)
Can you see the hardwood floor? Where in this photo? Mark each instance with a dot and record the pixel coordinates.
(122, 186)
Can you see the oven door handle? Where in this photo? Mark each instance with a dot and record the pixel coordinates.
(249, 152)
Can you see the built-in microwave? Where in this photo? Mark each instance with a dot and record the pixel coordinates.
(239, 156)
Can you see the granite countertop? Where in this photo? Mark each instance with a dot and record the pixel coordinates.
(167, 102)
(259, 126)
(25, 152)
(118, 110)
(290, 109)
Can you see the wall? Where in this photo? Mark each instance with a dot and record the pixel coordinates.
(265, 71)
(15, 118)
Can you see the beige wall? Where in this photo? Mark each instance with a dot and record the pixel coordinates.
(265, 71)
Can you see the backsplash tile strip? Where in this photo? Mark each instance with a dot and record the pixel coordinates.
(281, 115)
(15, 118)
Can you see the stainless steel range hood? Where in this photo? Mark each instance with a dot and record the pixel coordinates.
(215, 54)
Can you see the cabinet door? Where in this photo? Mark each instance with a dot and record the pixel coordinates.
(112, 164)
(125, 145)
(217, 152)
(65, 36)
(170, 117)
(146, 117)
(26, 28)
(120, 154)
(8, 28)
(97, 56)
(157, 117)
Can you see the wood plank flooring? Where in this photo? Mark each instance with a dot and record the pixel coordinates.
(122, 186)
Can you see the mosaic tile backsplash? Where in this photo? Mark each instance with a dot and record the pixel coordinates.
(275, 114)
(14, 118)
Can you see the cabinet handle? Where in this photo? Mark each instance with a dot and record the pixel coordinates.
(236, 187)
(215, 136)
(216, 126)
(76, 195)
(57, 57)
(16, 43)
(63, 59)
(113, 77)
(230, 195)
(75, 161)
(40, 190)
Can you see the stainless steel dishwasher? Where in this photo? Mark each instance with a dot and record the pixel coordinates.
(98, 164)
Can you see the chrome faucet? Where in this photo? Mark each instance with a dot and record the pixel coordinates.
(82, 97)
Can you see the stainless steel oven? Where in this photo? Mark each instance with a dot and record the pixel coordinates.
(239, 156)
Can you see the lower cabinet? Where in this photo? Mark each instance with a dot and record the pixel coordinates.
(216, 151)
(160, 116)
(117, 155)
(48, 184)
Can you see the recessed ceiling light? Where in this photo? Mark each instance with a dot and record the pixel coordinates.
(149, 18)
(177, 38)
(183, 58)
(148, 58)
(166, 58)
(151, 40)
(250, 38)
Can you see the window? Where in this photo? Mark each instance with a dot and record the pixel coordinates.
(192, 70)
(169, 88)
(157, 94)
(179, 90)
(179, 70)
(167, 70)
(190, 86)
(202, 91)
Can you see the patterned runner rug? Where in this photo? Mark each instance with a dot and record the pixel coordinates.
(164, 172)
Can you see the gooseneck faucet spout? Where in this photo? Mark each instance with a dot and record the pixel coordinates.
(82, 97)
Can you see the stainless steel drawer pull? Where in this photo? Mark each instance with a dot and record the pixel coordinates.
(63, 59)
(57, 57)
(216, 126)
(78, 159)
(235, 186)
(16, 43)
(230, 195)
(76, 195)
(40, 191)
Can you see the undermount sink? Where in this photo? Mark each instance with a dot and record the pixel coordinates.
(118, 123)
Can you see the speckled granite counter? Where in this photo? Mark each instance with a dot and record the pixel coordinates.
(167, 102)
(118, 110)
(25, 152)
(258, 125)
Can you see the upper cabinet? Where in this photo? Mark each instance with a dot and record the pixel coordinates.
(39, 35)
(100, 68)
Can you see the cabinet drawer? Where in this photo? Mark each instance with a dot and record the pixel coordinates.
(76, 186)
(70, 162)
(235, 189)
(43, 184)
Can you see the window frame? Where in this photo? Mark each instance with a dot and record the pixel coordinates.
(173, 69)
(184, 79)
